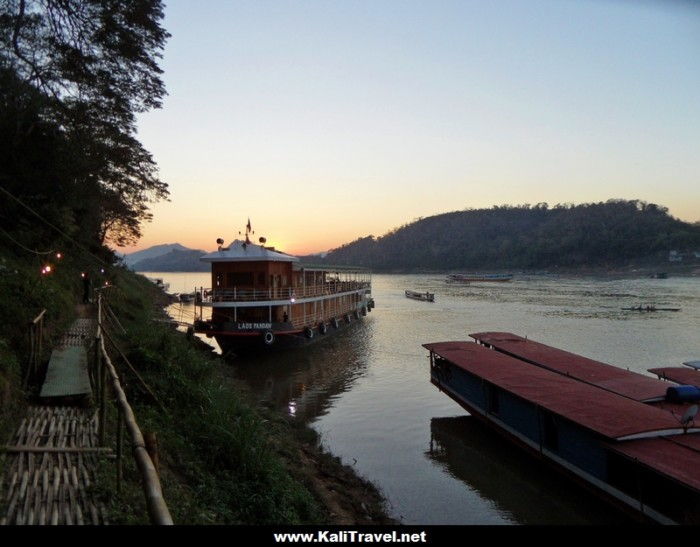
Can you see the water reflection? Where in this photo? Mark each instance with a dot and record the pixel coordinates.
(523, 489)
(303, 382)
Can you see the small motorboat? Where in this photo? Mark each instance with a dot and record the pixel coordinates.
(186, 297)
(425, 296)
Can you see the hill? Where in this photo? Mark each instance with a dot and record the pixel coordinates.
(152, 252)
(175, 261)
(611, 233)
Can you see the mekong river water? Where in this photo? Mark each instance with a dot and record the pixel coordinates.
(366, 389)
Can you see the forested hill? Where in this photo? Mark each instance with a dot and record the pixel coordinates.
(616, 232)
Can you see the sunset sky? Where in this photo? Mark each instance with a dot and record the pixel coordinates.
(325, 121)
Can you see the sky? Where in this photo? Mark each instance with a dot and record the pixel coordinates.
(325, 121)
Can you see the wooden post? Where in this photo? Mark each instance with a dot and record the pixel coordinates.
(151, 442)
(96, 370)
(120, 423)
(32, 356)
(41, 343)
(103, 394)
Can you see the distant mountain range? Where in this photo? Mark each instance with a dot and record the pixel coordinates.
(152, 252)
(611, 233)
(173, 257)
(170, 257)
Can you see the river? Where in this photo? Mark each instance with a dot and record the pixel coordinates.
(367, 391)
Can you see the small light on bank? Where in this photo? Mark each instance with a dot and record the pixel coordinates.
(59, 256)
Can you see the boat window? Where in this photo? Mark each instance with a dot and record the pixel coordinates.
(219, 279)
(550, 432)
(492, 399)
(261, 278)
(234, 279)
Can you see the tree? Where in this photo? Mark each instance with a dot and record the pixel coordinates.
(89, 67)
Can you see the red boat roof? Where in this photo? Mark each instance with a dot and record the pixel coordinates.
(676, 456)
(623, 382)
(680, 375)
(589, 406)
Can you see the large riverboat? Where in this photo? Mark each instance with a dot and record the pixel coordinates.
(262, 298)
(628, 437)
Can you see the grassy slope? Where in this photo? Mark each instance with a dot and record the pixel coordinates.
(23, 294)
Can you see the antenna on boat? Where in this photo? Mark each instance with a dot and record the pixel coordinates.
(688, 417)
(248, 230)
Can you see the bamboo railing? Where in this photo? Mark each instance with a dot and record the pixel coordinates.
(36, 342)
(157, 508)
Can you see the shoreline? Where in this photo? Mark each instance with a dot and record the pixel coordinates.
(342, 496)
(629, 271)
(348, 498)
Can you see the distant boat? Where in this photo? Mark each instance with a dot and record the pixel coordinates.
(659, 275)
(425, 296)
(477, 277)
(186, 297)
(649, 308)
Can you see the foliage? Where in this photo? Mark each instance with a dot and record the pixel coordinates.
(73, 75)
(598, 234)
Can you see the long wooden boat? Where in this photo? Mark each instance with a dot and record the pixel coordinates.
(425, 296)
(264, 299)
(649, 308)
(628, 437)
(477, 277)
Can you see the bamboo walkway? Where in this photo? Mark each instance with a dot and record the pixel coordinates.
(52, 460)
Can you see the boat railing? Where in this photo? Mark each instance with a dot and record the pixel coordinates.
(314, 319)
(278, 293)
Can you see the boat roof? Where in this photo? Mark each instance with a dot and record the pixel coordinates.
(242, 251)
(589, 406)
(677, 456)
(679, 375)
(623, 382)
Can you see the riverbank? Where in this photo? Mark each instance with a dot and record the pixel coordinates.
(224, 459)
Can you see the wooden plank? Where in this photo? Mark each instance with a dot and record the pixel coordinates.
(55, 449)
(67, 373)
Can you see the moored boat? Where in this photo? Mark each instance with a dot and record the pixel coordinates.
(628, 437)
(649, 308)
(477, 277)
(425, 296)
(262, 298)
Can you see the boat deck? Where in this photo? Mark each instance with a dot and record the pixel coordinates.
(679, 375)
(616, 380)
(676, 456)
(582, 403)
